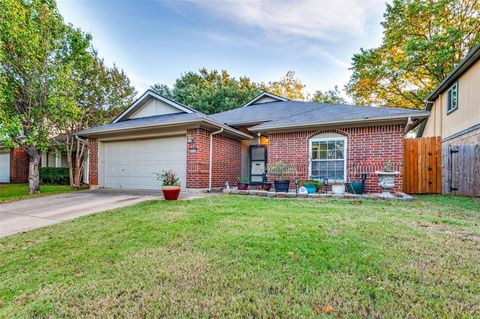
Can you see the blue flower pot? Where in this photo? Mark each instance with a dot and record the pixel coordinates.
(311, 188)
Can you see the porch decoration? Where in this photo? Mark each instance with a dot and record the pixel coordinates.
(386, 179)
(282, 172)
(312, 186)
(338, 188)
(170, 184)
(243, 183)
(266, 185)
(355, 187)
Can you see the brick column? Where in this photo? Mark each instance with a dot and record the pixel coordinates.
(197, 158)
(19, 161)
(93, 163)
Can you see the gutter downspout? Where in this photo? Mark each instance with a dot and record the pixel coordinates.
(210, 159)
(407, 127)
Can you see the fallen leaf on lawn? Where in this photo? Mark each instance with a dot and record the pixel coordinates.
(327, 309)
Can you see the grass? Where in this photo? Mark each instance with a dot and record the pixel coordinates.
(13, 192)
(251, 257)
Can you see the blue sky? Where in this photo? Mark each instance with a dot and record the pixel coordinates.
(155, 41)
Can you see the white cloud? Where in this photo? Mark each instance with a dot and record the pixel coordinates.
(314, 19)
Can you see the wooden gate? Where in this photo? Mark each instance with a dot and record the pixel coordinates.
(423, 165)
(461, 170)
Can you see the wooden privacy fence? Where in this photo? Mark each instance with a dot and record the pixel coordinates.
(461, 170)
(423, 166)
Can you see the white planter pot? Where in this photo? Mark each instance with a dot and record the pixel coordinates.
(338, 189)
(386, 181)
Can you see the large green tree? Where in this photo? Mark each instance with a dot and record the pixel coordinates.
(423, 41)
(333, 96)
(103, 93)
(210, 91)
(288, 86)
(38, 57)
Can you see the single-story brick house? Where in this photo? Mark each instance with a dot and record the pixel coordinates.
(321, 140)
(14, 164)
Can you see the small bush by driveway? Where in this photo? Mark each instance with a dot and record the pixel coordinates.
(250, 257)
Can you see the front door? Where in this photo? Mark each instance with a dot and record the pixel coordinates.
(258, 163)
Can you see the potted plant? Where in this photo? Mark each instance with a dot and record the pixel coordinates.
(170, 184)
(338, 188)
(356, 187)
(386, 178)
(266, 185)
(312, 186)
(282, 173)
(243, 183)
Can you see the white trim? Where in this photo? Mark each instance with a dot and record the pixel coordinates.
(156, 96)
(163, 125)
(325, 139)
(353, 121)
(273, 96)
(450, 97)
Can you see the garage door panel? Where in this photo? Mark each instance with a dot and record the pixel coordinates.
(132, 164)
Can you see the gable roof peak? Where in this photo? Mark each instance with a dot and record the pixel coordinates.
(148, 94)
(275, 97)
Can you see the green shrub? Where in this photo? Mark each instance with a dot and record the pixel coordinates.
(317, 184)
(54, 175)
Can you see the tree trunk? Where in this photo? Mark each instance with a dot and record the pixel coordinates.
(79, 162)
(33, 173)
(69, 144)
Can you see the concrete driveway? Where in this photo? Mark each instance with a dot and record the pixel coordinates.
(38, 212)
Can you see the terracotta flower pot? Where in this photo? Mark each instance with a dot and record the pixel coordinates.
(171, 192)
(242, 186)
(267, 186)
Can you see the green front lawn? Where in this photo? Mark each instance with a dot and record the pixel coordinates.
(12, 192)
(230, 256)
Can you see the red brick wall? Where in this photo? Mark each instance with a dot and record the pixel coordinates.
(227, 154)
(19, 160)
(226, 159)
(368, 148)
(197, 158)
(93, 163)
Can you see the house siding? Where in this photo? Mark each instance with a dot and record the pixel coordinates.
(368, 148)
(19, 161)
(471, 137)
(441, 123)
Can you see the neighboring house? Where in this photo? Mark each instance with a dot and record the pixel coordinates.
(330, 141)
(13, 165)
(455, 104)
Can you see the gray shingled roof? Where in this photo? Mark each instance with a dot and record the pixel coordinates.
(294, 113)
(144, 122)
(264, 112)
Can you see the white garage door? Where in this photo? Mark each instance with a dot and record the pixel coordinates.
(131, 164)
(4, 167)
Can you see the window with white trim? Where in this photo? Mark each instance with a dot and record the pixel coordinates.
(328, 157)
(452, 98)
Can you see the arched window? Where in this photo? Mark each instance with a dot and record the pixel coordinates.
(328, 157)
